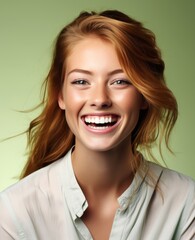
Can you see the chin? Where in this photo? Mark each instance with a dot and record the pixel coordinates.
(100, 147)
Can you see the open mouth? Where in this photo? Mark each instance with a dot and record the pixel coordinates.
(100, 122)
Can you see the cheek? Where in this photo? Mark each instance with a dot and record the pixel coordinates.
(73, 100)
(130, 101)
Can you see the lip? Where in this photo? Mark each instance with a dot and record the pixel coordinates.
(101, 130)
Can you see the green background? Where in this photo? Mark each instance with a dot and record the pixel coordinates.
(27, 31)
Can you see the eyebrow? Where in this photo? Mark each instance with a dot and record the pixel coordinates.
(77, 70)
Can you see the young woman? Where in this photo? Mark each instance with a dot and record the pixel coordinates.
(105, 103)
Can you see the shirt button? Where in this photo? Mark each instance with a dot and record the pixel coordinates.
(124, 203)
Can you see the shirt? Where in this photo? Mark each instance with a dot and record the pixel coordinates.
(49, 204)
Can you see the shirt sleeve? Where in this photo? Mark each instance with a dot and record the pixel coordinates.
(5, 235)
(188, 232)
(8, 228)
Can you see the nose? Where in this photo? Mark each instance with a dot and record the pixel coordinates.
(100, 98)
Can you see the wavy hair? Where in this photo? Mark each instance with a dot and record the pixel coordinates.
(49, 136)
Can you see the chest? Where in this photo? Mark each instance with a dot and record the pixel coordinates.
(99, 223)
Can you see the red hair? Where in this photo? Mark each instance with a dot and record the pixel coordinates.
(49, 136)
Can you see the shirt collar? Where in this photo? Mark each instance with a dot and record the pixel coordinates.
(73, 194)
(131, 194)
(143, 185)
(76, 200)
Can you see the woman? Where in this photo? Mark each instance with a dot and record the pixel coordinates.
(105, 102)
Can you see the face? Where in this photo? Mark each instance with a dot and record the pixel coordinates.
(101, 105)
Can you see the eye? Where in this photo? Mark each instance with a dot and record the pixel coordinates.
(80, 82)
(121, 82)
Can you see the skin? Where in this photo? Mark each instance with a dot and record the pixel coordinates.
(95, 84)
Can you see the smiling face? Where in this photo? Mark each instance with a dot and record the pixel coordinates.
(101, 105)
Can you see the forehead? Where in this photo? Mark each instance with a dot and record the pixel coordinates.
(92, 51)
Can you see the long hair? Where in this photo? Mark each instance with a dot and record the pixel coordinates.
(49, 136)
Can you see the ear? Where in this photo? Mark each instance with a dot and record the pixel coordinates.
(61, 102)
(144, 104)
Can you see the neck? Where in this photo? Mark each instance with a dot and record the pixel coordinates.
(106, 171)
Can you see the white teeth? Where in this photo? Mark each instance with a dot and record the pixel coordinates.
(102, 127)
(102, 120)
(99, 120)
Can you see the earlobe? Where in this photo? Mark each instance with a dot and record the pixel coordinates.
(61, 102)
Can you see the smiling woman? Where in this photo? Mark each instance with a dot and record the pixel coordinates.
(99, 89)
(105, 103)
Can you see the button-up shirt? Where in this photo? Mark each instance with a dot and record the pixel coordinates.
(49, 204)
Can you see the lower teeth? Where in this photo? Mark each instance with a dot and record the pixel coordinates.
(97, 127)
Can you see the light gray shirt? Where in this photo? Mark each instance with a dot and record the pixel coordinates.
(49, 204)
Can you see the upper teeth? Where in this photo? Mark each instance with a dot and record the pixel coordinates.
(101, 120)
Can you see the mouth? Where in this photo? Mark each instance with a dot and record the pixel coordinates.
(100, 122)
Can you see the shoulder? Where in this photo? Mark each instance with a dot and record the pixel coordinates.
(173, 200)
(38, 183)
(175, 189)
(171, 179)
(178, 195)
(35, 207)
(29, 199)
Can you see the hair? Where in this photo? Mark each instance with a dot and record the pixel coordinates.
(49, 136)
